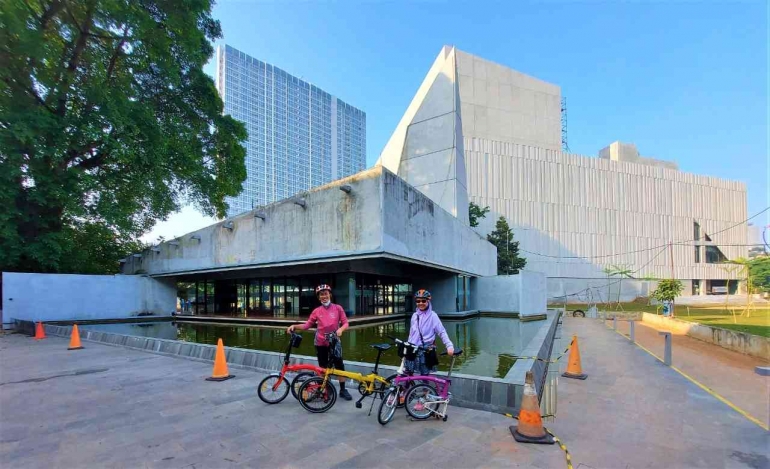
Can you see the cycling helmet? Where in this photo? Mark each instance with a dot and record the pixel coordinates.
(422, 293)
(322, 287)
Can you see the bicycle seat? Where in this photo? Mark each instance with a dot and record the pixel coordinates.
(457, 353)
(381, 347)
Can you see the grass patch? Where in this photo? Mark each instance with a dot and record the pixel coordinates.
(757, 322)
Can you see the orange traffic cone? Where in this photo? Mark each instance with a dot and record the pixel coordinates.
(530, 428)
(39, 331)
(574, 370)
(75, 339)
(220, 365)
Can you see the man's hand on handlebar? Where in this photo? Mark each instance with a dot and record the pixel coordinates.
(290, 329)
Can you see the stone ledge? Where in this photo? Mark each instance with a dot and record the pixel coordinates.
(475, 392)
(742, 342)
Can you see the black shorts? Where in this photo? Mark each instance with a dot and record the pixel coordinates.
(322, 352)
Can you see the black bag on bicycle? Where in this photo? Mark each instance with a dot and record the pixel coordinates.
(409, 353)
(295, 340)
(431, 357)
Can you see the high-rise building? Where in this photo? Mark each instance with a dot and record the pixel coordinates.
(300, 136)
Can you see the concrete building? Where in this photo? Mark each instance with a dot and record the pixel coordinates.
(300, 136)
(481, 132)
(371, 236)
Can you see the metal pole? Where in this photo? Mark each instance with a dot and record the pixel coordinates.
(667, 350)
(671, 250)
(631, 324)
(615, 323)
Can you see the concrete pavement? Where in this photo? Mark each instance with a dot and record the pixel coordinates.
(729, 373)
(112, 407)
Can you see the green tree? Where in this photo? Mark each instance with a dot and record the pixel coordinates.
(107, 124)
(668, 290)
(475, 213)
(508, 260)
(759, 274)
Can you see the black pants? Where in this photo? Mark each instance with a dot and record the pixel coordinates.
(322, 352)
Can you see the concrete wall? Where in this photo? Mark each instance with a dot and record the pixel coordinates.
(60, 297)
(381, 215)
(443, 289)
(749, 344)
(524, 293)
(582, 290)
(426, 148)
(415, 227)
(333, 223)
(499, 103)
(532, 293)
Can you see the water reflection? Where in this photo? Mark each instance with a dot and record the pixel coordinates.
(488, 343)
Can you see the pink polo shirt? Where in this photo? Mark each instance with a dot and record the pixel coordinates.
(326, 319)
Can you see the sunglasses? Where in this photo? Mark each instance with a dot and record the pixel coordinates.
(420, 301)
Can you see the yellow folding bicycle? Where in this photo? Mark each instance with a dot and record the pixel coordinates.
(318, 394)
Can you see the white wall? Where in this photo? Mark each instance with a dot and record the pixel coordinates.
(62, 297)
(532, 296)
(600, 288)
(524, 293)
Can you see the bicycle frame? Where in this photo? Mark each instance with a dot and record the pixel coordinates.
(439, 401)
(287, 368)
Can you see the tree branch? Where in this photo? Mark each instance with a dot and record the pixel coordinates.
(54, 8)
(29, 90)
(116, 54)
(73, 62)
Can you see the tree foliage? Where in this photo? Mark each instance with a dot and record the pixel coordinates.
(107, 124)
(668, 290)
(759, 270)
(508, 260)
(476, 213)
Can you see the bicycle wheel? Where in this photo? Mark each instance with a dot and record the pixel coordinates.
(317, 396)
(271, 391)
(298, 380)
(418, 401)
(388, 406)
(407, 385)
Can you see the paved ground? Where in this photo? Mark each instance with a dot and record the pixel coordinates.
(113, 407)
(731, 374)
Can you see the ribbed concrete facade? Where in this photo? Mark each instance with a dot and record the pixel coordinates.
(566, 205)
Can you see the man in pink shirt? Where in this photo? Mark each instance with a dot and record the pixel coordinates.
(327, 318)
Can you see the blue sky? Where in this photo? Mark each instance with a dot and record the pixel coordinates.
(685, 81)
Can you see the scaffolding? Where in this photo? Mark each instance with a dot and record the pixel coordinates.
(564, 144)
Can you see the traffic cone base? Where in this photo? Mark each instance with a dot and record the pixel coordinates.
(220, 372)
(223, 378)
(530, 428)
(574, 368)
(75, 339)
(39, 331)
(543, 440)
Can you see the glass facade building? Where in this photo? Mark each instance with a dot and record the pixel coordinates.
(287, 297)
(300, 136)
